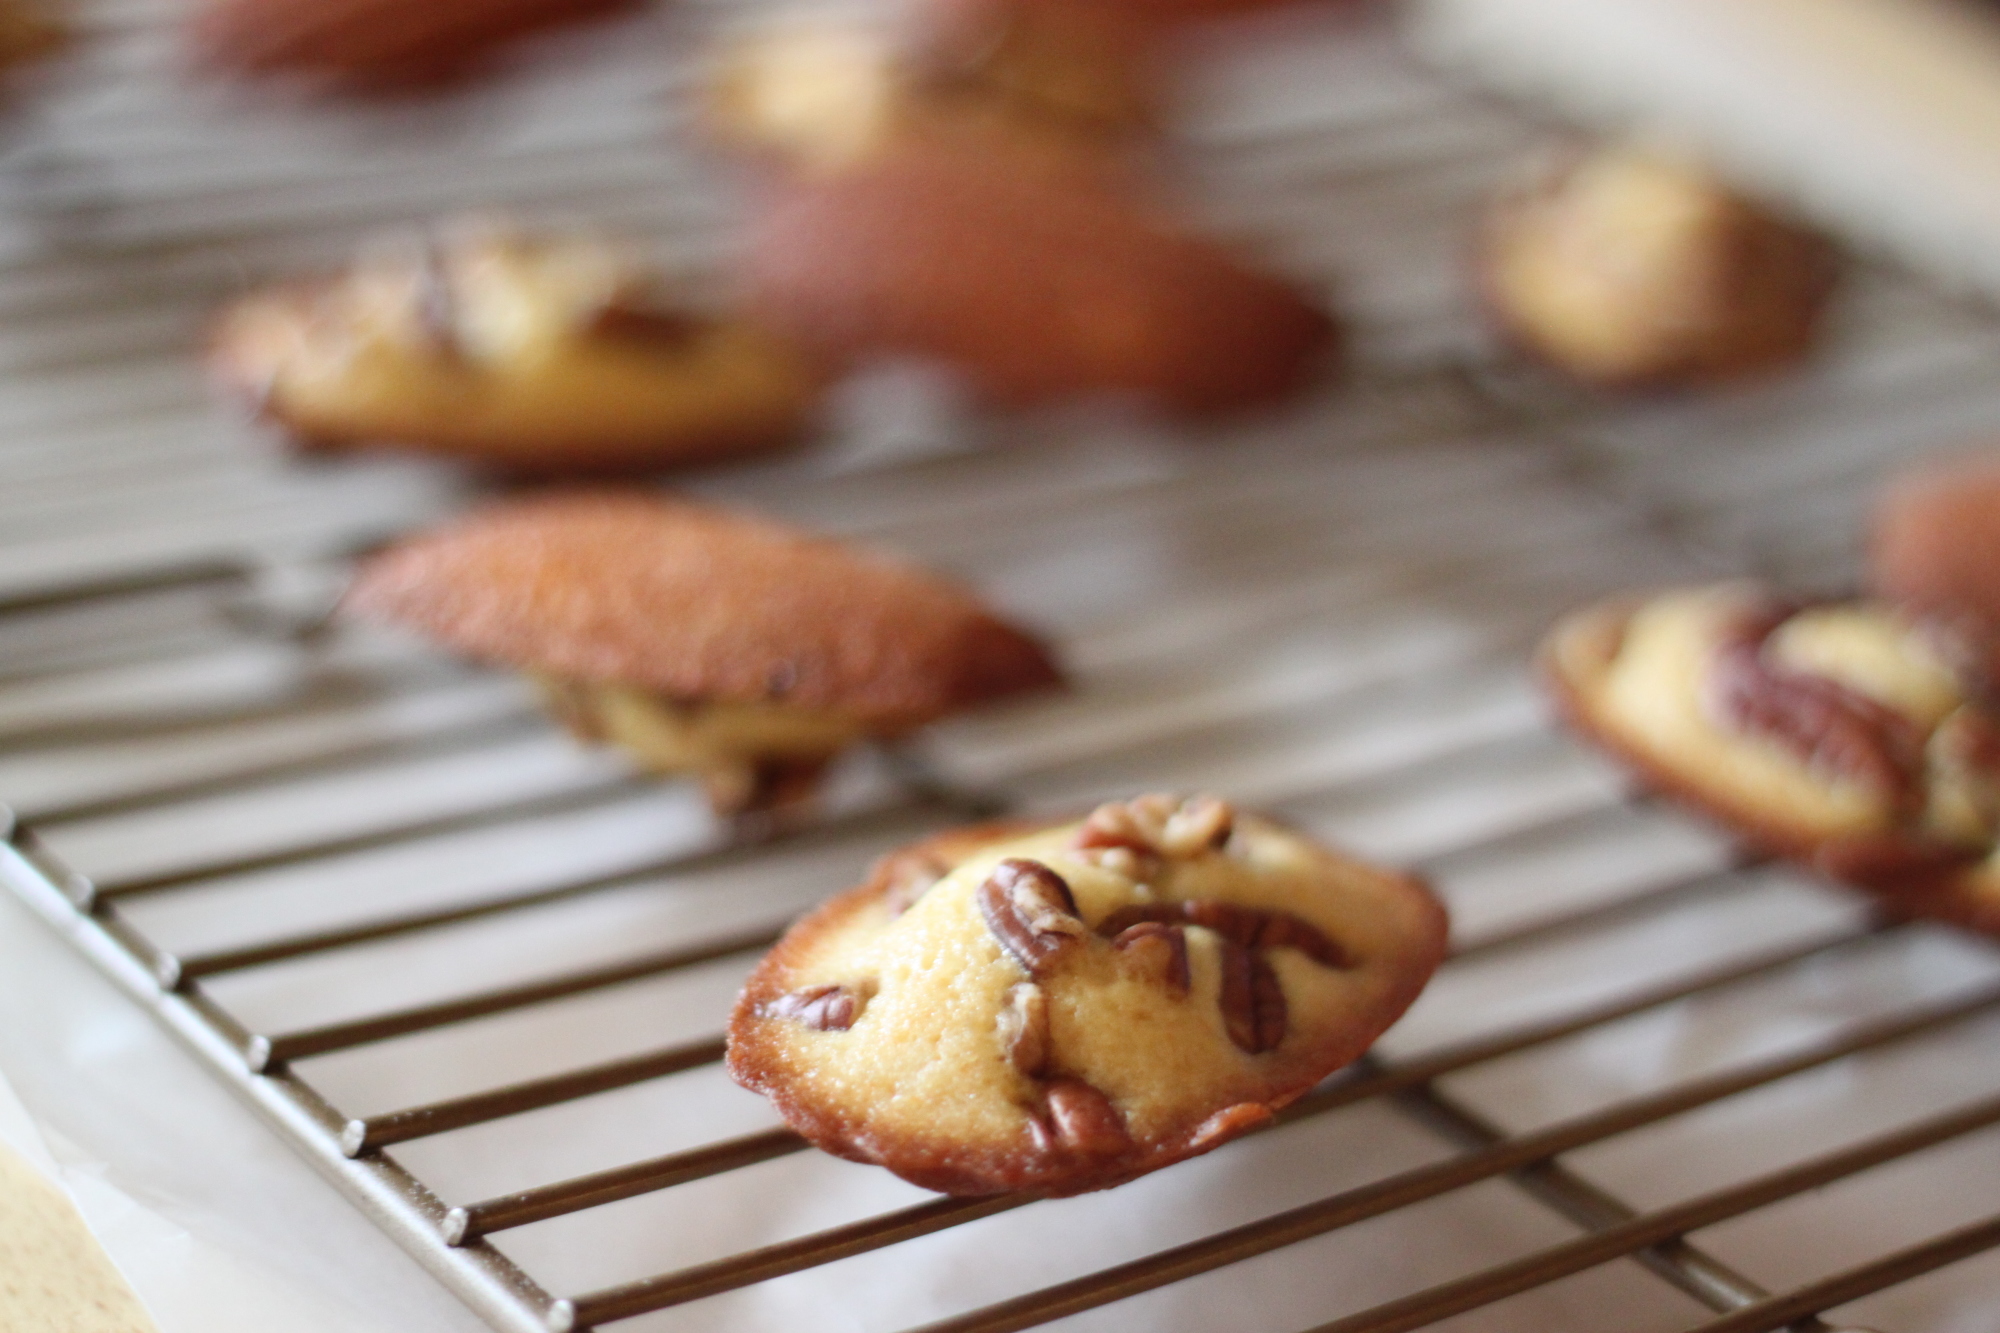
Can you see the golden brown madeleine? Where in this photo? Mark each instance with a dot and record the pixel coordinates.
(540, 355)
(1835, 734)
(1935, 543)
(1064, 1008)
(1035, 285)
(1631, 268)
(704, 641)
(374, 46)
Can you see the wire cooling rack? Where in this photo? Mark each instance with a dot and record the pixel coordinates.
(477, 977)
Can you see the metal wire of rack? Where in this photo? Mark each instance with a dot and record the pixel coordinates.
(255, 822)
(454, 1238)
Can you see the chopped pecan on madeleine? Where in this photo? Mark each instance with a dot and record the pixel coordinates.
(1631, 267)
(374, 46)
(1041, 1016)
(1033, 287)
(702, 641)
(1064, 81)
(529, 354)
(1838, 734)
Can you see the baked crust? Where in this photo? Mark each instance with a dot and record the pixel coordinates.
(524, 355)
(1919, 874)
(1203, 1087)
(697, 603)
(374, 46)
(1034, 285)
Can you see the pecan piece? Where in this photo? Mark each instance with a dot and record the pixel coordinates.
(1158, 825)
(1029, 909)
(1255, 928)
(1157, 951)
(1079, 1119)
(1115, 826)
(1203, 823)
(1253, 1003)
(1834, 730)
(1024, 1029)
(1251, 927)
(1282, 930)
(830, 1008)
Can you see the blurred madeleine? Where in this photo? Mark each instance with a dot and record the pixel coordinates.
(528, 354)
(1035, 285)
(1631, 267)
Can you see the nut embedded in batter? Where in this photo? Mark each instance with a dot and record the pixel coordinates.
(1834, 733)
(551, 354)
(1041, 1020)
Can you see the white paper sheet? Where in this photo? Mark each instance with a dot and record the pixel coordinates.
(138, 1134)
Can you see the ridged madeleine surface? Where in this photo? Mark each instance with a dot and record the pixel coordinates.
(696, 603)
